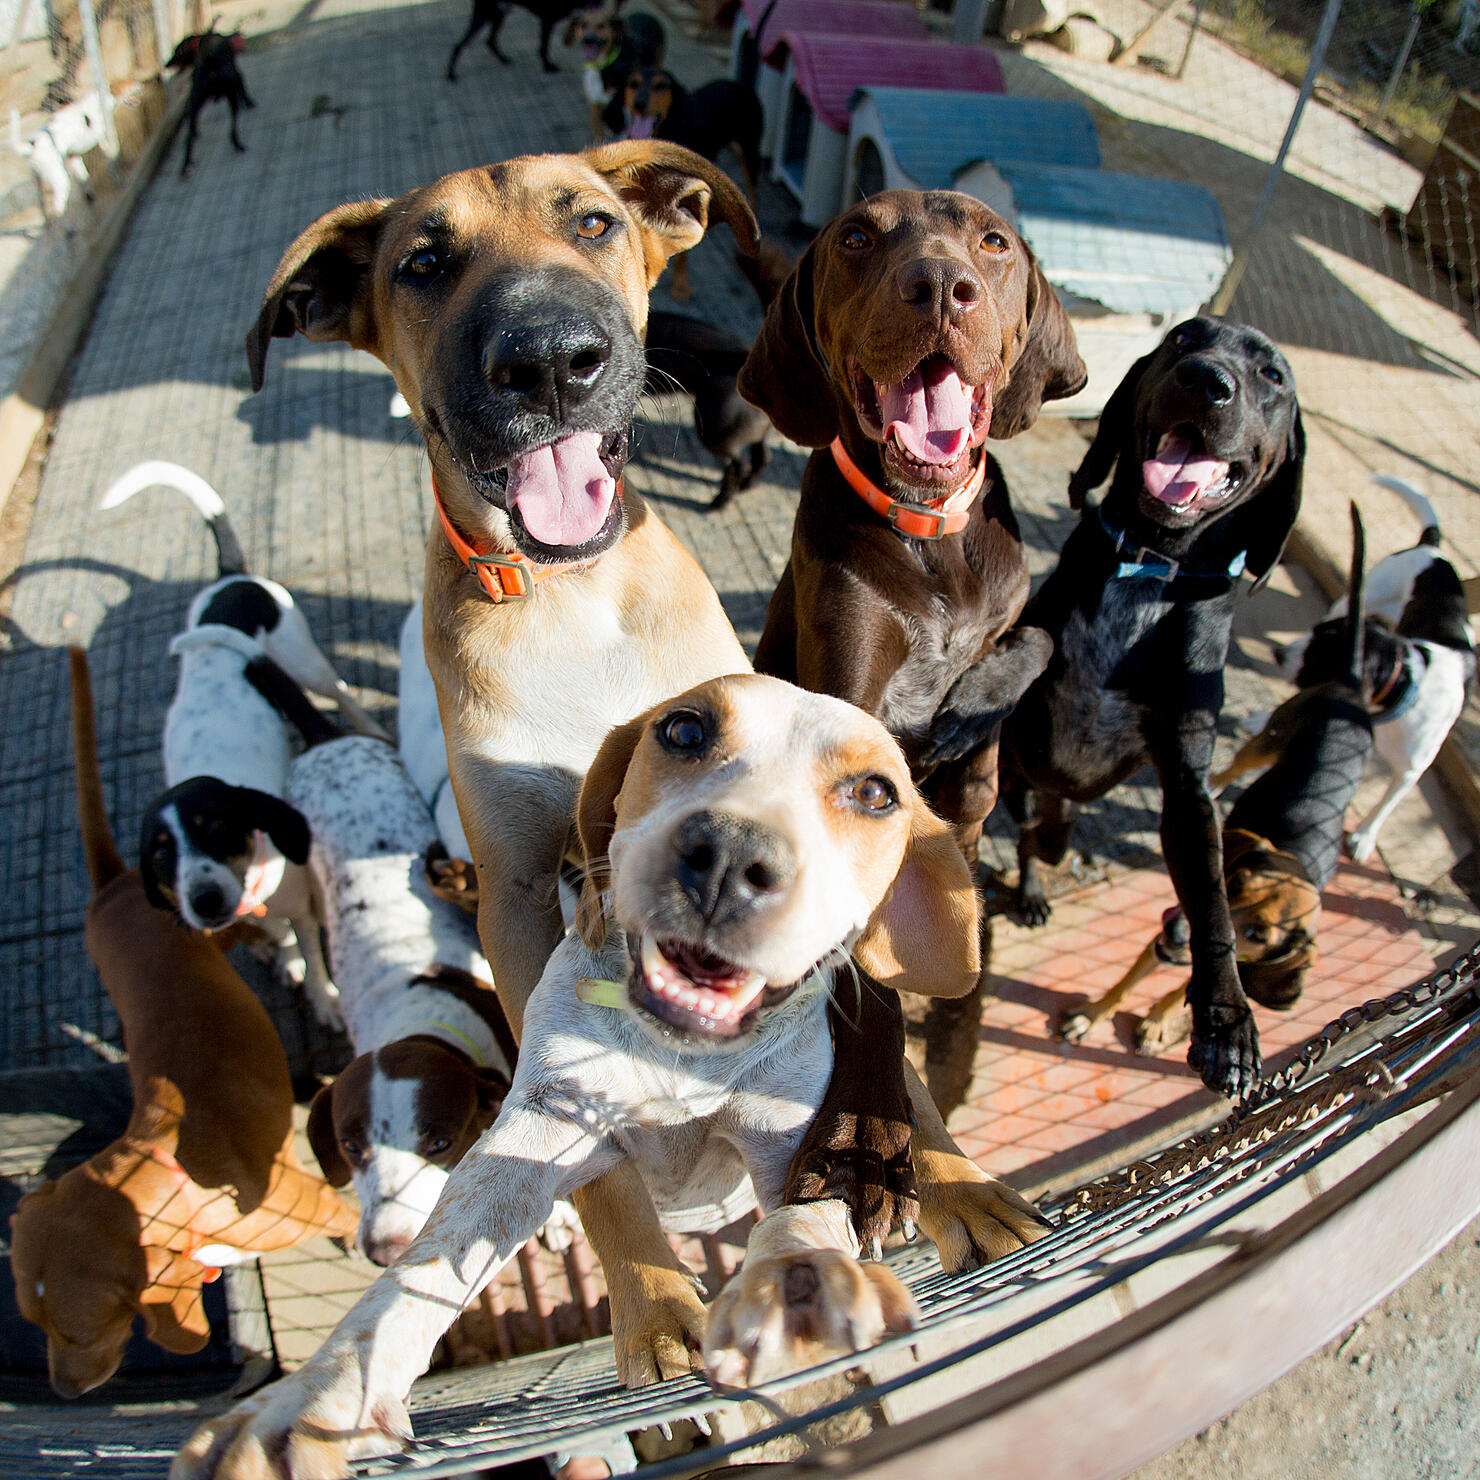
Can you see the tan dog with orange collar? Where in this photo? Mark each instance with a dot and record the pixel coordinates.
(205, 1174)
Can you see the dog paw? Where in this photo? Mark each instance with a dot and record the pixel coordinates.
(560, 1229)
(290, 967)
(1033, 908)
(300, 1428)
(972, 1218)
(1156, 1035)
(454, 880)
(791, 1311)
(658, 1324)
(1359, 846)
(1074, 1025)
(323, 1000)
(1225, 1048)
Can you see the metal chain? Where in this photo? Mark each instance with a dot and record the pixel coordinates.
(1270, 1107)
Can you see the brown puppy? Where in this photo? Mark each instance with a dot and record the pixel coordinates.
(206, 1173)
(916, 326)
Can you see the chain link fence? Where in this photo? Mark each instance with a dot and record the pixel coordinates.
(81, 91)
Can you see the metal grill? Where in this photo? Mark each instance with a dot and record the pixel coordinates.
(1107, 1233)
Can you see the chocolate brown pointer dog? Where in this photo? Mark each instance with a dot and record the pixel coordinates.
(1206, 445)
(915, 326)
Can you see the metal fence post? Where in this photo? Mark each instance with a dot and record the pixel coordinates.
(94, 49)
(1240, 264)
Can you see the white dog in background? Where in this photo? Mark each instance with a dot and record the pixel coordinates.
(55, 150)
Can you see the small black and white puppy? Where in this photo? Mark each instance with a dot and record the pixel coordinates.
(214, 76)
(1418, 663)
(220, 844)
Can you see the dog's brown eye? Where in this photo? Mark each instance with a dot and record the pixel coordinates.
(424, 264)
(684, 732)
(854, 240)
(437, 1146)
(873, 794)
(1273, 375)
(350, 1147)
(995, 243)
(592, 226)
(1254, 933)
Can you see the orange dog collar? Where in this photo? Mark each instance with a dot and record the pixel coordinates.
(504, 575)
(933, 520)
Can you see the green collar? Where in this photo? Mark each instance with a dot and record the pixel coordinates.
(598, 992)
(474, 1052)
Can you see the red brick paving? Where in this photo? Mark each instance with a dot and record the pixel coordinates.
(1039, 1107)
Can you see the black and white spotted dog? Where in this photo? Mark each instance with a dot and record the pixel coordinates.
(221, 844)
(1418, 659)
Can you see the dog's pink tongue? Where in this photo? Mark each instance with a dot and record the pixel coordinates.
(563, 492)
(1175, 476)
(641, 127)
(929, 411)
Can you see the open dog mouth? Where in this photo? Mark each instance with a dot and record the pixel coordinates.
(1181, 476)
(696, 991)
(930, 422)
(561, 496)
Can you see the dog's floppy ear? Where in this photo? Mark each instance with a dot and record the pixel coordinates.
(1115, 430)
(174, 1316)
(785, 375)
(1049, 367)
(285, 825)
(319, 287)
(596, 820)
(152, 891)
(323, 1140)
(924, 938)
(673, 191)
(493, 1090)
(1273, 511)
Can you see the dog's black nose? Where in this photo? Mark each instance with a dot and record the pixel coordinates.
(939, 287)
(208, 901)
(1207, 378)
(549, 364)
(726, 865)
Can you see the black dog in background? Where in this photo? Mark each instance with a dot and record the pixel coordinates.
(492, 13)
(211, 58)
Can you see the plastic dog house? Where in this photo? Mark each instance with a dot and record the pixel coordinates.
(758, 49)
(822, 74)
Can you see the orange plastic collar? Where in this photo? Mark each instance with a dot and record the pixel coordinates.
(933, 520)
(504, 575)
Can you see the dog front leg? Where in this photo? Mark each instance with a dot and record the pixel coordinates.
(975, 705)
(235, 107)
(190, 137)
(970, 1217)
(800, 1297)
(547, 29)
(658, 1319)
(347, 1401)
(1361, 842)
(857, 1148)
(318, 985)
(1225, 1041)
(1076, 1022)
(495, 25)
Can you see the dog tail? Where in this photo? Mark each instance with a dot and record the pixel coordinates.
(99, 849)
(1354, 598)
(1415, 501)
(287, 697)
(229, 558)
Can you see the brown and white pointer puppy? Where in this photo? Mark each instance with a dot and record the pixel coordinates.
(204, 1175)
(916, 326)
(510, 303)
